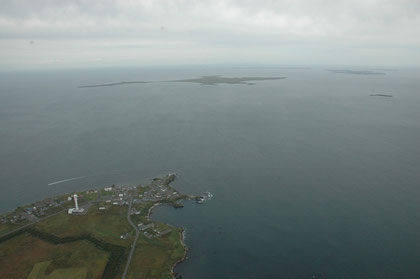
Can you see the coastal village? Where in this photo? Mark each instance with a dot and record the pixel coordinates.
(158, 190)
(117, 203)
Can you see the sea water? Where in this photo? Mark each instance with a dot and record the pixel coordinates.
(311, 175)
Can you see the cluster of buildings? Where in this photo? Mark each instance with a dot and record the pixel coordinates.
(135, 211)
(12, 219)
(113, 196)
(158, 192)
(119, 198)
(149, 231)
(33, 212)
(109, 196)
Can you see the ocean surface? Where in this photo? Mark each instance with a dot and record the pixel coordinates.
(312, 177)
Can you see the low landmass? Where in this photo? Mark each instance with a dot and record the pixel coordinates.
(386, 69)
(109, 234)
(353, 72)
(207, 80)
(212, 80)
(380, 95)
(111, 84)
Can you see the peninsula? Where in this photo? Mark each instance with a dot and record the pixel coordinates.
(98, 233)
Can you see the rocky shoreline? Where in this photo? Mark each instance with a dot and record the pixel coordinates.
(181, 237)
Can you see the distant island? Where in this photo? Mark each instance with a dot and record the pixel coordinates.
(386, 69)
(112, 84)
(212, 80)
(99, 233)
(206, 80)
(353, 72)
(380, 95)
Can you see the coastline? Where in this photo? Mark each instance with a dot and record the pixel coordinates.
(184, 257)
(100, 200)
(150, 210)
(181, 239)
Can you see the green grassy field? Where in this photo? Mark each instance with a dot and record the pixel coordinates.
(25, 256)
(90, 246)
(39, 272)
(5, 228)
(107, 225)
(153, 258)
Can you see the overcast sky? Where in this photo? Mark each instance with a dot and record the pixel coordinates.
(91, 33)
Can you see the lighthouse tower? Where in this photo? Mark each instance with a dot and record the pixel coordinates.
(76, 205)
(76, 208)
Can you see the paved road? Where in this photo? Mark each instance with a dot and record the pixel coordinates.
(133, 246)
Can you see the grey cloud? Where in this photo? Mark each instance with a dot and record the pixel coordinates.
(218, 27)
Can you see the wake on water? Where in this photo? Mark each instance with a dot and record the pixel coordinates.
(66, 180)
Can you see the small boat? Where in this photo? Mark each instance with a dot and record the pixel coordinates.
(200, 200)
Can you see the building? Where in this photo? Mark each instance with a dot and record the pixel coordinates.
(145, 227)
(165, 232)
(76, 208)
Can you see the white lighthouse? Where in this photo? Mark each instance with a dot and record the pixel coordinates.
(76, 205)
(76, 208)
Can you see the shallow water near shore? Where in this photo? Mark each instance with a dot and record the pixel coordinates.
(310, 174)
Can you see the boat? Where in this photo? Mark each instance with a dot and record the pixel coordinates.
(200, 200)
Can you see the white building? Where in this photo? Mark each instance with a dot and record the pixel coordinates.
(76, 208)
